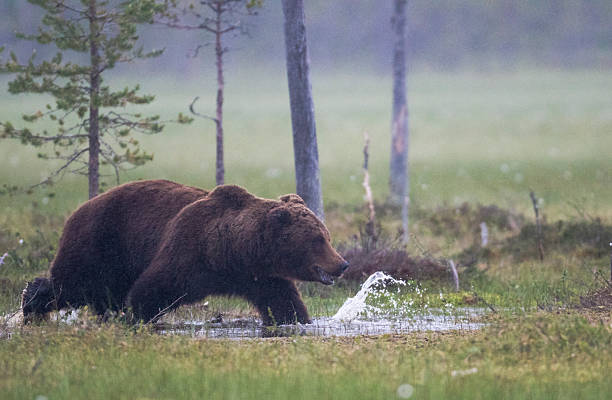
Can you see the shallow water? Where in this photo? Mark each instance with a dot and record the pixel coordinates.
(462, 319)
(329, 326)
(359, 315)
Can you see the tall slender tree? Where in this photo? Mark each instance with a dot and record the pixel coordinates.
(307, 175)
(399, 177)
(91, 117)
(218, 18)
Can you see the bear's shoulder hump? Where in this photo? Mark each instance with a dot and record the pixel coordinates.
(232, 196)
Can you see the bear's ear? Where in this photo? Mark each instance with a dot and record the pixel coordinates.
(280, 216)
(292, 198)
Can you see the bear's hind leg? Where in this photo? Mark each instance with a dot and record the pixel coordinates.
(278, 302)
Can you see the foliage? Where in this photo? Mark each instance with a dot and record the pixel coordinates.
(89, 116)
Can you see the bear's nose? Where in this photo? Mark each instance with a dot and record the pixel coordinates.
(344, 266)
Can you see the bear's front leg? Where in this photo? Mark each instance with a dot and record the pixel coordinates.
(278, 302)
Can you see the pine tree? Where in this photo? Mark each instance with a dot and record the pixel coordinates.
(91, 118)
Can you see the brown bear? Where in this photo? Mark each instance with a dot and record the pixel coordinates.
(153, 245)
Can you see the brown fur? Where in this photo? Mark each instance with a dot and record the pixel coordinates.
(153, 245)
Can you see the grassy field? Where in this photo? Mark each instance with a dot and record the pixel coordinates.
(537, 357)
(480, 138)
(476, 137)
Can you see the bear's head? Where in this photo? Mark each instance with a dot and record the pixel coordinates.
(299, 243)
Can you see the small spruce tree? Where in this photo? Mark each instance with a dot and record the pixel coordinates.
(91, 118)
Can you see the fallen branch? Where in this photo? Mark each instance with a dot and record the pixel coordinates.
(163, 311)
(478, 298)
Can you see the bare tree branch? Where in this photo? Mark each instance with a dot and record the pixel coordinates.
(194, 112)
(60, 169)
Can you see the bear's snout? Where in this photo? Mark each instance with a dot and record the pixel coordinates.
(340, 268)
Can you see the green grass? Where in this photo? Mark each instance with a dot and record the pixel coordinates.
(474, 137)
(482, 138)
(537, 357)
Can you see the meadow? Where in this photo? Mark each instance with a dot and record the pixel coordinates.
(477, 139)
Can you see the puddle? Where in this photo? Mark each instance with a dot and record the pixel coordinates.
(374, 310)
(329, 326)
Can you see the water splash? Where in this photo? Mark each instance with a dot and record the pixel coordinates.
(355, 306)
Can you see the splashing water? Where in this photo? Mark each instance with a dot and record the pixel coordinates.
(354, 306)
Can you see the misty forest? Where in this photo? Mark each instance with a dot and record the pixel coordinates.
(305, 199)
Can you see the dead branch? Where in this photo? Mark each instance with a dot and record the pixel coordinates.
(197, 114)
(455, 274)
(484, 234)
(58, 171)
(371, 224)
(405, 233)
(163, 311)
(536, 210)
(486, 303)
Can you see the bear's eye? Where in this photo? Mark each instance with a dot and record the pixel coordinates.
(319, 240)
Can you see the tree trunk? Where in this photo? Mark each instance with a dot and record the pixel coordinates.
(220, 168)
(398, 181)
(94, 83)
(306, 156)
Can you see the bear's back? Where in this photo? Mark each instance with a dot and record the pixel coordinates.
(109, 240)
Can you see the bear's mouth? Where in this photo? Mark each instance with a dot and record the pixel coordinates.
(324, 277)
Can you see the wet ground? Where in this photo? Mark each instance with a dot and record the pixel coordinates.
(359, 315)
(461, 319)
